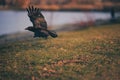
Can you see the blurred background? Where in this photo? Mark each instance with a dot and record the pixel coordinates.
(61, 15)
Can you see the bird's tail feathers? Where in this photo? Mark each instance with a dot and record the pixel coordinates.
(52, 33)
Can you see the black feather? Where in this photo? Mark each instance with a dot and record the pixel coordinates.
(39, 23)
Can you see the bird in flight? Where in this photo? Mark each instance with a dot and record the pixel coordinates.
(39, 23)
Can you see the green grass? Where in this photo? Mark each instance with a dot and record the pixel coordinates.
(92, 54)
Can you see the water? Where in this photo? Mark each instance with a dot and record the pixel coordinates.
(14, 21)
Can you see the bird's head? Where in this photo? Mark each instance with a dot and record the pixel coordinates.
(30, 28)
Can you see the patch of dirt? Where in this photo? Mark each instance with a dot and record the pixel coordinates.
(49, 69)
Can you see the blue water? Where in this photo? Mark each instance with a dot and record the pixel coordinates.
(13, 21)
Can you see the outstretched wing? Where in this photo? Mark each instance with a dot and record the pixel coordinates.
(37, 18)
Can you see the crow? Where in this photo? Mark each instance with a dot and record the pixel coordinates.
(39, 24)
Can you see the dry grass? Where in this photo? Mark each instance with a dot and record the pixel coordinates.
(92, 54)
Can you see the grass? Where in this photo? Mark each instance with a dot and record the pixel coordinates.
(92, 54)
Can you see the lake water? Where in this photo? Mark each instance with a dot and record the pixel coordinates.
(13, 21)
